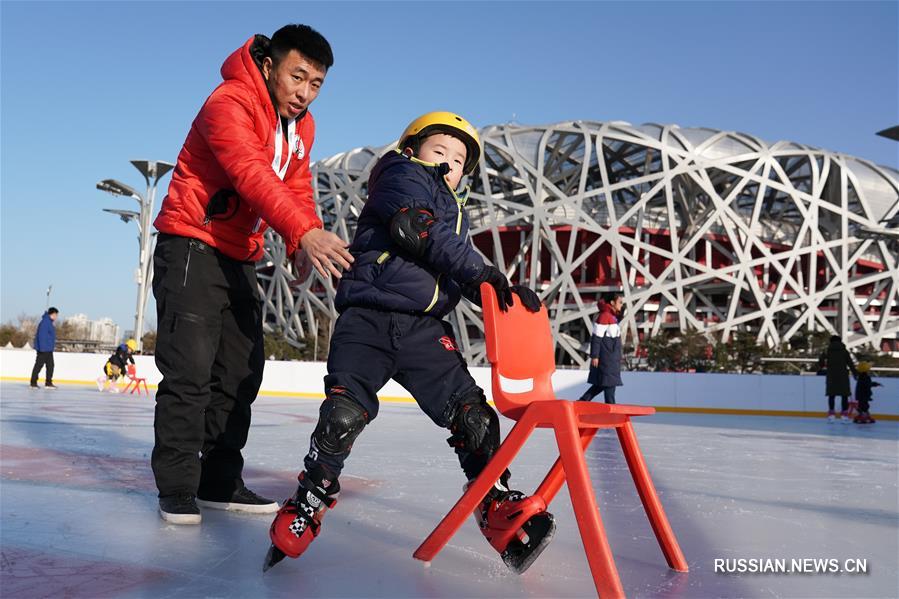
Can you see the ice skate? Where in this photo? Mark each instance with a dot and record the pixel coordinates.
(864, 418)
(844, 418)
(517, 526)
(299, 520)
(101, 383)
(831, 418)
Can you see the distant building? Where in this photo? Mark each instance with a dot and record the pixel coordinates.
(103, 330)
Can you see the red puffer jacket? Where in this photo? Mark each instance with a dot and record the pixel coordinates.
(224, 189)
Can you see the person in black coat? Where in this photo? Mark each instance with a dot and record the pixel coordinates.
(605, 350)
(838, 362)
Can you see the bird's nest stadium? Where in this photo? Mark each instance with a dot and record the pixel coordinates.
(715, 231)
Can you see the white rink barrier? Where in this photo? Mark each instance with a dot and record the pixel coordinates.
(701, 392)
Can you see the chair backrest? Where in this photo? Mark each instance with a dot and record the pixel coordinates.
(131, 369)
(519, 347)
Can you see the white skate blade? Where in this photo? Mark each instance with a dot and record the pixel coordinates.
(247, 508)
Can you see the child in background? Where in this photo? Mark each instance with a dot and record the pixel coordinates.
(863, 393)
(115, 366)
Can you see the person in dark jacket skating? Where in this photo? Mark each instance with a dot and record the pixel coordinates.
(864, 392)
(414, 261)
(838, 362)
(44, 344)
(605, 350)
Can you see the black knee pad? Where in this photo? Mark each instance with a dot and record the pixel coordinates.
(474, 424)
(340, 421)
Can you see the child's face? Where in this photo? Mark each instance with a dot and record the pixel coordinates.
(440, 148)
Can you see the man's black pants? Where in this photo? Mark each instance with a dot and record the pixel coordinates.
(44, 358)
(369, 347)
(209, 350)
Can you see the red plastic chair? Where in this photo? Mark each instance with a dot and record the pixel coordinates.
(134, 382)
(520, 347)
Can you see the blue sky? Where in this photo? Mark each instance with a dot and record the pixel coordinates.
(87, 86)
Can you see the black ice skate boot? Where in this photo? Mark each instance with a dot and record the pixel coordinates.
(299, 520)
(517, 526)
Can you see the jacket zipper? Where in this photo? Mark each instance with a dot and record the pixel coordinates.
(186, 266)
(458, 229)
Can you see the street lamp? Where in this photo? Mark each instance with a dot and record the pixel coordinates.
(153, 171)
(126, 215)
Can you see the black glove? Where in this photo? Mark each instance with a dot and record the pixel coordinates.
(528, 298)
(500, 283)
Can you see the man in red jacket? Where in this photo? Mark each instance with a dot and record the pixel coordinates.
(244, 166)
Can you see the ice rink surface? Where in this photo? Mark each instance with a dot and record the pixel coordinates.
(79, 506)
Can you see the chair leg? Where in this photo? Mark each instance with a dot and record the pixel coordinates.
(556, 476)
(476, 492)
(651, 503)
(593, 534)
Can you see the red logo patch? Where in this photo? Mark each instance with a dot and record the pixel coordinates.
(448, 343)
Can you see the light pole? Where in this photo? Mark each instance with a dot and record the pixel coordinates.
(153, 171)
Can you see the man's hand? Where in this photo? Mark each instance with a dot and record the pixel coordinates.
(594, 362)
(325, 251)
(529, 299)
(500, 283)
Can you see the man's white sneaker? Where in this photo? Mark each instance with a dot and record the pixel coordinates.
(180, 509)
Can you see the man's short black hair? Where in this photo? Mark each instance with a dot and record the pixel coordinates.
(305, 40)
(52, 311)
(611, 296)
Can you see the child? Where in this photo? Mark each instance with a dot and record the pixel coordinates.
(116, 365)
(413, 261)
(863, 393)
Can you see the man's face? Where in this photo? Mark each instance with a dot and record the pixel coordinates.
(440, 148)
(617, 303)
(53, 315)
(293, 83)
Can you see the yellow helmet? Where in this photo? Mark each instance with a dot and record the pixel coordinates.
(863, 367)
(447, 122)
(132, 344)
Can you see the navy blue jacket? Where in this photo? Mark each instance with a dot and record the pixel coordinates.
(385, 277)
(863, 388)
(45, 339)
(605, 344)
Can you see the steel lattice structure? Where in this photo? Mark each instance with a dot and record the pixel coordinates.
(711, 230)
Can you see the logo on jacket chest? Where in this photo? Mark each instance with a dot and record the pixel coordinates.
(448, 343)
(299, 148)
